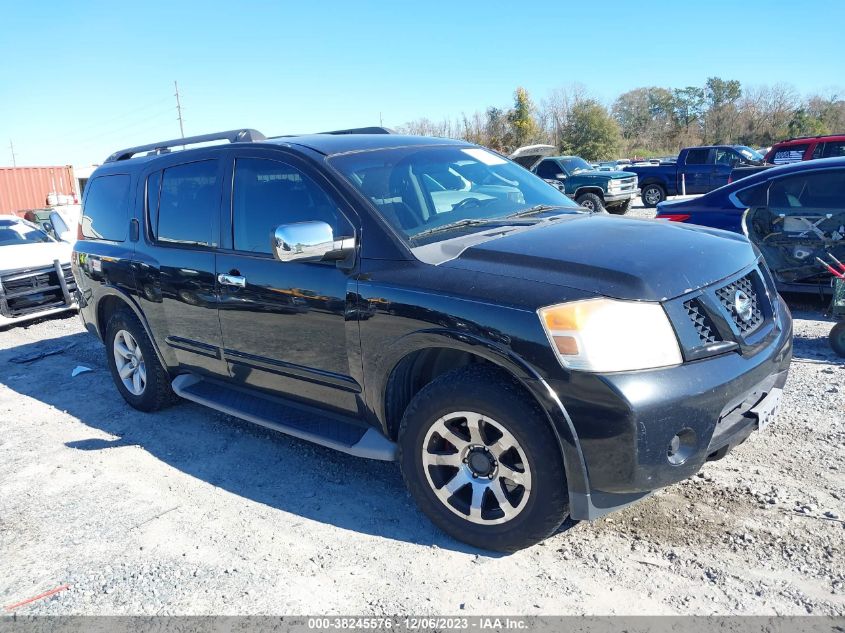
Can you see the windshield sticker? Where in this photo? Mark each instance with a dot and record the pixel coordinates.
(483, 156)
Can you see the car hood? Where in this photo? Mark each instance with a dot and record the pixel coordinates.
(600, 176)
(623, 258)
(21, 256)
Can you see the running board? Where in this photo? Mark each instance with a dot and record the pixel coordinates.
(291, 419)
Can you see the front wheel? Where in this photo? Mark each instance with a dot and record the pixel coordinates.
(482, 461)
(591, 202)
(652, 195)
(837, 338)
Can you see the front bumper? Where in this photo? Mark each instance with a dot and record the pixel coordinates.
(32, 293)
(625, 422)
(621, 196)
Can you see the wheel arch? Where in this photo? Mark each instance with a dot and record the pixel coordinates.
(422, 357)
(112, 299)
(590, 189)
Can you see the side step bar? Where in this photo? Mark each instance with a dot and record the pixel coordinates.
(291, 419)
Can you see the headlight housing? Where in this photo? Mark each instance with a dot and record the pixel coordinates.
(605, 335)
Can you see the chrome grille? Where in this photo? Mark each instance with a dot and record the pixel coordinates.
(27, 291)
(727, 297)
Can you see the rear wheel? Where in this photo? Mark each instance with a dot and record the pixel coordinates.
(591, 202)
(837, 338)
(135, 368)
(482, 461)
(652, 195)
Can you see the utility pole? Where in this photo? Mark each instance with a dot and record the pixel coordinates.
(179, 109)
(12, 147)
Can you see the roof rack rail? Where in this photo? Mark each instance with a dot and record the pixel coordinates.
(233, 136)
(363, 130)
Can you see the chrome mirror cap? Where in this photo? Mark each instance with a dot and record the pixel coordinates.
(309, 242)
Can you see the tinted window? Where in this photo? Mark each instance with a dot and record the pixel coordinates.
(190, 196)
(818, 190)
(105, 214)
(548, 169)
(836, 148)
(754, 196)
(790, 154)
(697, 156)
(268, 193)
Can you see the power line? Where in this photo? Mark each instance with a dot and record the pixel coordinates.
(12, 148)
(179, 109)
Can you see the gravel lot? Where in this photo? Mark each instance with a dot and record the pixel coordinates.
(187, 511)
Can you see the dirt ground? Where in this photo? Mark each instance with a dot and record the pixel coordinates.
(187, 511)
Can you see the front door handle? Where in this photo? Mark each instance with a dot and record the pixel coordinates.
(232, 280)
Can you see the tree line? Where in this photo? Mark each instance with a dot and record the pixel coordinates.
(646, 122)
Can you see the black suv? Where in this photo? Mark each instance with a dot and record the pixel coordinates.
(428, 301)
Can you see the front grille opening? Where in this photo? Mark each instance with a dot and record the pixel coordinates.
(33, 291)
(701, 321)
(729, 296)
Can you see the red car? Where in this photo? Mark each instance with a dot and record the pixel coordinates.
(806, 148)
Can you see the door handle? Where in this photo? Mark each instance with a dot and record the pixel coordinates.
(232, 280)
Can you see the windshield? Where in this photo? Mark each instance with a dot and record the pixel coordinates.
(574, 164)
(422, 189)
(749, 153)
(15, 232)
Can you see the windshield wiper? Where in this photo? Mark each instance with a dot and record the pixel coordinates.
(452, 225)
(538, 208)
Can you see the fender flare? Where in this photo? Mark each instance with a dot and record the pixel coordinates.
(109, 290)
(522, 371)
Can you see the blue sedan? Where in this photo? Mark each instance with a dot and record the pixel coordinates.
(794, 213)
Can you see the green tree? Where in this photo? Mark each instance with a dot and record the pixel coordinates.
(590, 132)
(645, 117)
(722, 114)
(688, 108)
(524, 128)
(805, 124)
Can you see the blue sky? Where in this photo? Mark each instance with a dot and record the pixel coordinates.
(85, 78)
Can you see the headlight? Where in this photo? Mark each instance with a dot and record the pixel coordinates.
(604, 335)
(614, 184)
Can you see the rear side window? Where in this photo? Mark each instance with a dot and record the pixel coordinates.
(790, 154)
(697, 156)
(105, 215)
(754, 196)
(189, 199)
(834, 149)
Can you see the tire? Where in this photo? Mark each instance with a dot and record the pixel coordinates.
(652, 195)
(536, 499)
(620, 209)
(591, 202)
(837, 338)
(150, 392)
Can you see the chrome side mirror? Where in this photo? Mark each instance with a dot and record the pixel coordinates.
(309, 242)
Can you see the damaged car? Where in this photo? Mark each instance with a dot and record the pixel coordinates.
(35, 275)
(794, 214)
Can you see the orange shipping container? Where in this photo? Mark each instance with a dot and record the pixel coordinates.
(24, 188)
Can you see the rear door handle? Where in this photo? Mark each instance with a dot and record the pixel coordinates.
(232, 280)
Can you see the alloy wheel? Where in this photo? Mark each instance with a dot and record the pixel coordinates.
(129, 361)
(476, 468)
